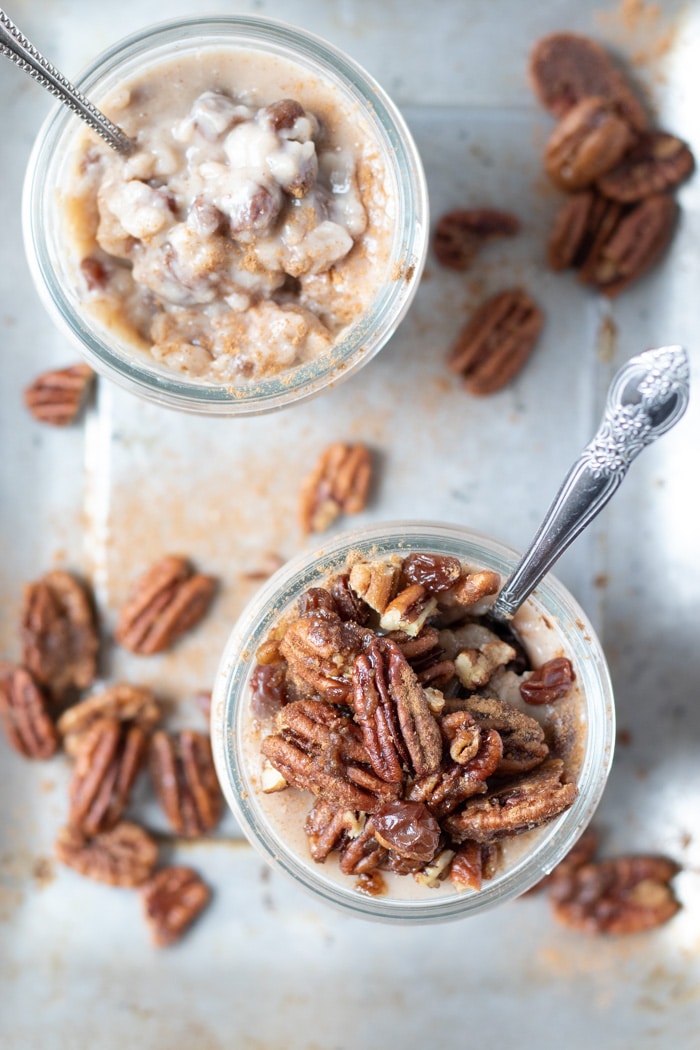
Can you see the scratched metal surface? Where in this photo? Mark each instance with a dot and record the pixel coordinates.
(267, 967)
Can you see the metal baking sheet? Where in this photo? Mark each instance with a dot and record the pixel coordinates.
(266, 966)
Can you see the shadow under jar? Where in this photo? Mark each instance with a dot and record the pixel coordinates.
(579, 728)
(263, 240)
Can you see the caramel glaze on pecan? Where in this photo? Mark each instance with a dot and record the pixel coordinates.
(168, 600)
(56, 397)
(59, 633)
(108, 761)
(24, 715)
(522, 736)
(320, 650)
(338, 484)
(182, 771)
(496, 342)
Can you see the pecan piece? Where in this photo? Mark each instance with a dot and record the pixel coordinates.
(472, 864)
(523, 736)
(348, 603)
(549, 682)
(587, 143)
(363, 854)
(580, 220)
(338, 484)
(625, 895)
(518, 806)
(474, 587)
(59, 635)
(321, 751)
(167, 600)
(23, 714)
(566, 67)
(182, 771)
(460, 233)
(320, 651)
(121, 702)
(172, 899)
(393, 712)
(633, 245)
(657, 163)
(327, 828)
(123, 856)
(376, 582)
(56, 397)
(409, 610)
(444, 791)
(426, 657)
(496, 342)
(107, 764)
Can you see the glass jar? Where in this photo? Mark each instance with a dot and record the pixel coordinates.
(529, 857)
(56, 273)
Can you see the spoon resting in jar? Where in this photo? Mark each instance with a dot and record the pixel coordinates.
(646, 398)
(15, 46)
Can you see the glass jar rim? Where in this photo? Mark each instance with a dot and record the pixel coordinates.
(363, 339)
(553, 841)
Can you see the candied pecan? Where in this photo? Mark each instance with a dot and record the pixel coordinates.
(167, 600)
(107, 764)
(462, 734)
(321, 751)
(566, 67)
(327, 827)
(172, 899)
(496, 342)
(376, 582)
(348, 604)
(56, 397)
(522, 736)
(466, 869)
(338, 484)
(320, 651)
(121, 702)
(475, 586)
(362, 854)
(444, 791)
(372, 883)
(123, 856)
(426, 656)
(182, 771)
(393, 712)
(23, 714)
(587, 143)
(656, 163)
(460, 233)
(633, 245)
(268, 689)
(435, 572)
(409, 610)
(519, 805)
(575, 227)
(475, 667)
(549, 682)
(437, 870)
(624, 895)
(59, 635)
(407, 828)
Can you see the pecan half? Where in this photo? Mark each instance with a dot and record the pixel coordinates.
(182, 771)
(121, 702)
(444, 791)
(167, 600)
(460, 233)
(625, 895)
(496, 342)
(123, 856)
(393, 712)
(24, 715)
(426, 656)
(519, 806)
(107, 764)
(321, 751)
(657, 163)
(576, 226)
(362, 854)
(523, 736)
(172, 900)
(338, 484)
(632, 246)
(59, 635)
(56, 397)
(327, 827)
(320, 651)
(549, 682)
(587, 143)
(566, 67)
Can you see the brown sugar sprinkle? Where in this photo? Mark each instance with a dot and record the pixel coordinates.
(56, 397)
(338, 484)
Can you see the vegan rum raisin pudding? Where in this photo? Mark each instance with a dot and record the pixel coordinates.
(263, 239)
(381, 746)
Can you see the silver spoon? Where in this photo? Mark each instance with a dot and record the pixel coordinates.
(19, 50)
(646, 398)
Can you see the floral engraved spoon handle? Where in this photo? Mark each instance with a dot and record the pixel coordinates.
(646, 398)
(15, 46)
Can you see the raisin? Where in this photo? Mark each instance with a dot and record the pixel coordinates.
(268, 685)
(436, 572)
(549, 682)
(409, 828)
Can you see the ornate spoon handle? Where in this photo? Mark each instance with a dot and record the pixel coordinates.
(19, 50)
(646, 398)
